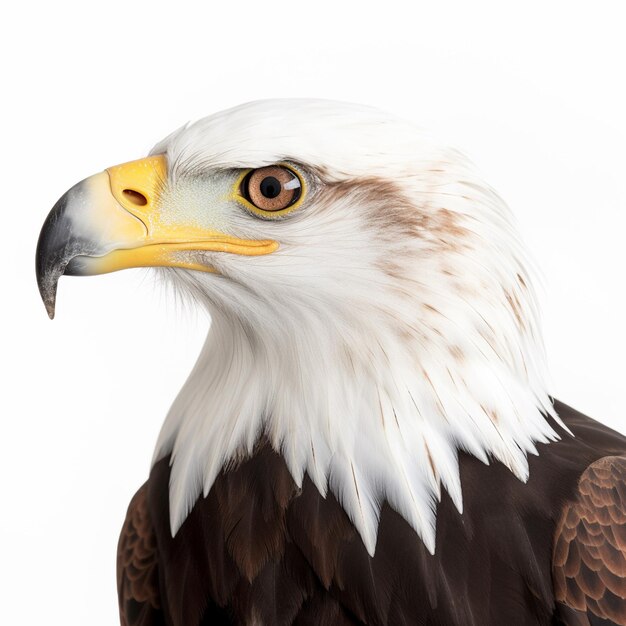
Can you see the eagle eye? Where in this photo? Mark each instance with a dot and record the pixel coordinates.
(272, 189)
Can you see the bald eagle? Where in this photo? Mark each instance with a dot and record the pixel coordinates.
(367, 436)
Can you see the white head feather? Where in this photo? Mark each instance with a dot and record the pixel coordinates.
(395, 325)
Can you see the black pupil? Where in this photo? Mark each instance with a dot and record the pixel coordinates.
(270, 187)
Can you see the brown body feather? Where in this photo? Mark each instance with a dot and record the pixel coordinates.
(259, 551)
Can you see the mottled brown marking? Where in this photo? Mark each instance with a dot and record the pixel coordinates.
(391, 213)
(521, 281)
(382, 413)
(395, 417)
(490, 413)
(516, 308)
(405, 335)
(383, 202)
(457, 353)
(391, 268)
(448, 222)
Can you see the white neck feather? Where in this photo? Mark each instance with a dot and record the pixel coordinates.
(371, 385)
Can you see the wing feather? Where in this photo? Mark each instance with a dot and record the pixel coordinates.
(589, 559)
(137, 567)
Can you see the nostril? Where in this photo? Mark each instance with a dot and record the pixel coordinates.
(135, 197)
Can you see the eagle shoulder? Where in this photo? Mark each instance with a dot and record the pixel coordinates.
(589, 559)
(137, 566)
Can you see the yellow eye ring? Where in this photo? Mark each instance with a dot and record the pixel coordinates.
(270, 192)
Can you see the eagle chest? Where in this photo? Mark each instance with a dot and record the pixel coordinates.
(258, 550)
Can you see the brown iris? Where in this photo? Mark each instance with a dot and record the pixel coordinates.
(272, 188)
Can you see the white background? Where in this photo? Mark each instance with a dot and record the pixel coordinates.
(534, 93)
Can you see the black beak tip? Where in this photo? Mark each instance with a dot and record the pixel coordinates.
(50, 307)
(52, 255)
(47, 280)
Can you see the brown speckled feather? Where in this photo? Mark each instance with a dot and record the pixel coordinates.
(137, 568)
(589, 565)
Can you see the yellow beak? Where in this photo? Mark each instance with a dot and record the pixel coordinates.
(113, 221)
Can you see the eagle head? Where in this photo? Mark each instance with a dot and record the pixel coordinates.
(372, 307)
